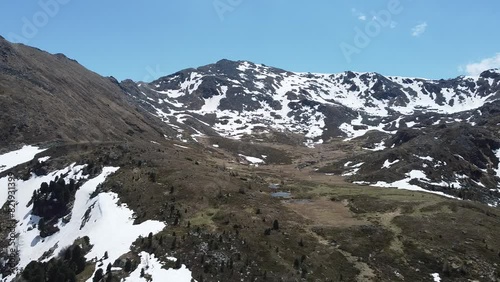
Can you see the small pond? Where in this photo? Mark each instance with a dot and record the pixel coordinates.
(285, 195)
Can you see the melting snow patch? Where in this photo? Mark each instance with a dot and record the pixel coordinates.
(405, 183)
(43, 159)
(180, 146)
(378, 147)
(388, 164)
(152, 266)
(352, 132)
(252, 160)
(354, 168)
(410, 124)
(17, 157)
(436, 277)
(215, 146)
(430, 159)
(356, 165)
(497, 153)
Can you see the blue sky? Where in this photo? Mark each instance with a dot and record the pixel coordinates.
(145, 40)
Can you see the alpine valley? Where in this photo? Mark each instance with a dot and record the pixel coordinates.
(237, 171)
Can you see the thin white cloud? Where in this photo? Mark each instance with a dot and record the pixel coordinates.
(360, 15)
(475, 69)
(419, 29)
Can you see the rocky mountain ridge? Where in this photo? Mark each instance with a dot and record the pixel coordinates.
(238, 98)
(448, 125)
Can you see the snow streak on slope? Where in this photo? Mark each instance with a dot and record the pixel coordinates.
(104, 216)
(152, 266)
(497, 153)
(17, 157)
(405, 183)
(12, 159)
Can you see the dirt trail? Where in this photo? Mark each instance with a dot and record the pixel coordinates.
(385, 220)
(366, 273)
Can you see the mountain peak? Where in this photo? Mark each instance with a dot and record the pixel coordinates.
(491, 73)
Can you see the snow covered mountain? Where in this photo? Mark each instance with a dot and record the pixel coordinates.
(117, 184)
(390, 116)
(242, 98)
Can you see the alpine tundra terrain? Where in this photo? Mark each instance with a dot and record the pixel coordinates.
(238, 171)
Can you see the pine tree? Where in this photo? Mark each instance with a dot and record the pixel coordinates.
(108, 269)
(41, 224)
(301, 243)
(276, 225)
(98, 275)
(178, 264)
(267, 232)
(128, 265)
(150, 239)
(78, 259)
(174, 244)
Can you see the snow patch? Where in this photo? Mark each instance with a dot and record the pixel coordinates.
(378, 147)
(405, 183)
(497, 153)
(152, 266)
(436, 277)
(388, 164)
(17, 157)
(252, 160)
(180, 146)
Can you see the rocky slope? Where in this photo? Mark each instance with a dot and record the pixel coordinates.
(50, 97)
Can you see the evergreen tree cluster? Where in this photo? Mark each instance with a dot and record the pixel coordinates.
(52, 201)
(57, 270)
(39, 168)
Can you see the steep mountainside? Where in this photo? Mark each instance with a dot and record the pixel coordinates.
(50, 97)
